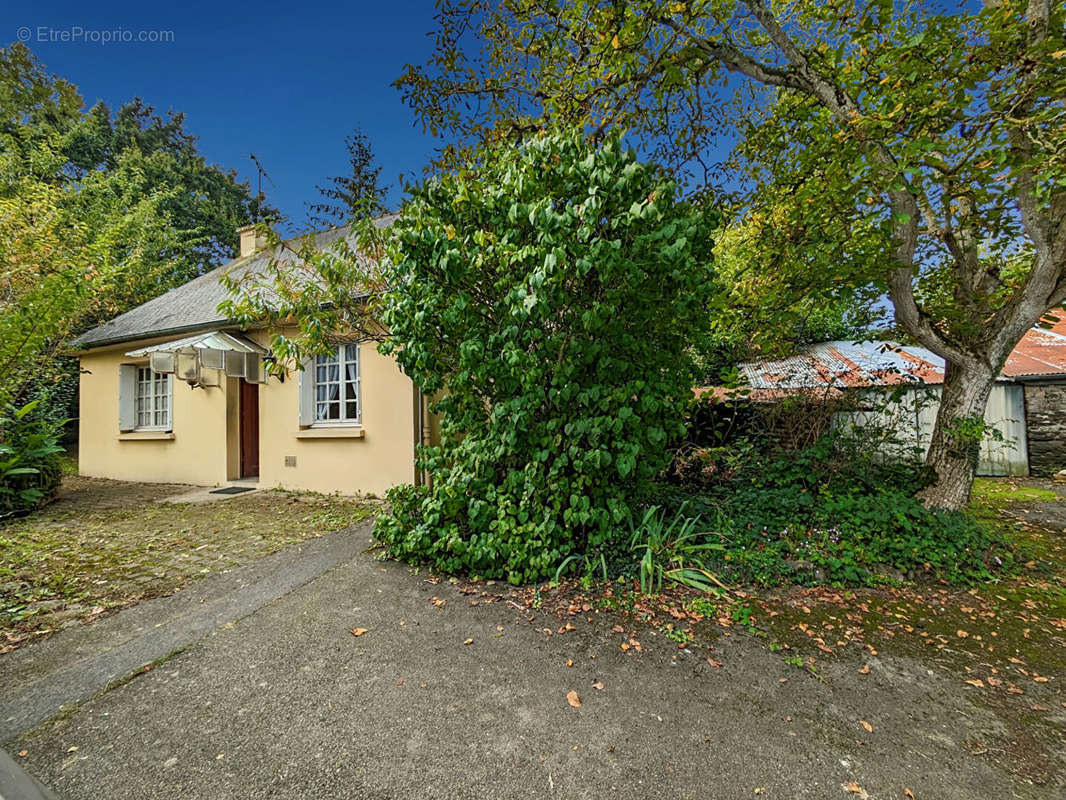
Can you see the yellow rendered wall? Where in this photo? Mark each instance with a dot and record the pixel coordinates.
(383, 458)
(196, 454)
(204, 448)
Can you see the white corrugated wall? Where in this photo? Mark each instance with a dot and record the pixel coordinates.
(908, 422)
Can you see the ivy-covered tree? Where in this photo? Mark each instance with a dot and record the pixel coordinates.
(545, 296)
(357, 194)
(898, 139)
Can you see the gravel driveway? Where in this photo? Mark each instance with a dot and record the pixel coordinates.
(445, 698)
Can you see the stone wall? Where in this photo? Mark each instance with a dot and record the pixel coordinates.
(1045, 417)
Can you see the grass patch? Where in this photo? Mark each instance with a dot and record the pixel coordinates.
(994, 494)
(68, 463)
(105, 545)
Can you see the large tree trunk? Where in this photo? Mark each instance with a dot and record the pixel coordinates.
(954, 458)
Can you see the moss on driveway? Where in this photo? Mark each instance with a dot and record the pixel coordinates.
(104, 545)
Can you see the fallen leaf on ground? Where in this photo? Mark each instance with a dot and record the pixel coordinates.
(908, 793)
(569, 662)
(869, 728)
(713, 663)
(23, 753)
(980, 684)
(598, 685)
(573, 699)
(854, 788)
(469, 641)
(358, 631)
(865, 670)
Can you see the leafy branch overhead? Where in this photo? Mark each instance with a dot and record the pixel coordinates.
(916, 149)
(312, 289)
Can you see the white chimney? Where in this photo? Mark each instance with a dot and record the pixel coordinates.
(252, 241)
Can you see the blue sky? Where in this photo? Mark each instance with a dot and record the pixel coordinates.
(284, 82)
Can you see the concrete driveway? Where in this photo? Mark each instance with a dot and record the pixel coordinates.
(281, 700)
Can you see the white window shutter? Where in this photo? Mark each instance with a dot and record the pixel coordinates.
(127, 397)
(307, 393)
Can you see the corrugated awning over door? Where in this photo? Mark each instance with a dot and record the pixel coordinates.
(213, 340)
(187, 358)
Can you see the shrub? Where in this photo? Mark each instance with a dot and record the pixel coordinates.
(830, 514)
(29, 458)
(548, 299)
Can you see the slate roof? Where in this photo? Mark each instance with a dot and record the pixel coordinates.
(193, 306)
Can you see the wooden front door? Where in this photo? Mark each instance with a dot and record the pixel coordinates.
(249, 430)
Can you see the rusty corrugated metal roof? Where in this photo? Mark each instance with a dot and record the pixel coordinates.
(844, 365)
(1042, 351)
(830, 367)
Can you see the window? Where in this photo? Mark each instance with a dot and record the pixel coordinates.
(152, 404)
(336, 386)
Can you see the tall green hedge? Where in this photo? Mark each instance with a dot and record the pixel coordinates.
(546, 296)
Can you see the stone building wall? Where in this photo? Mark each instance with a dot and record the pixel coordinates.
(1045, 418)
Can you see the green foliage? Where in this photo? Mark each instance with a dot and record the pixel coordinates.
(99, 212)
(768, 307)
(545, 297)
(67, 249)
(675, 550)
(914, 148)
(206, 203)
(309, 294)
(830, 514)
(359, 193)
(29, 459)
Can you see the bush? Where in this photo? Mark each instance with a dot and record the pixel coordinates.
(831, 514)
(29, 458)
(548, 299)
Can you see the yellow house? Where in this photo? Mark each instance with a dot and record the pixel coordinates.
(171, 391)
